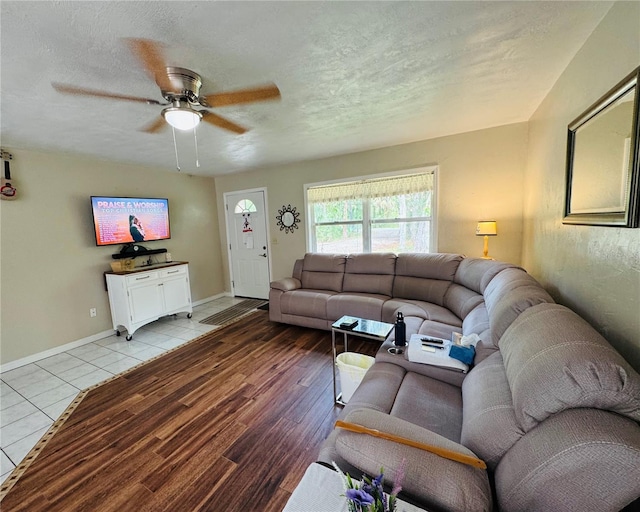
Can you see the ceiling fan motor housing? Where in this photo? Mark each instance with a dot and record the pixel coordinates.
(185, 85)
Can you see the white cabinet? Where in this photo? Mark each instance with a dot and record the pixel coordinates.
(142, 296)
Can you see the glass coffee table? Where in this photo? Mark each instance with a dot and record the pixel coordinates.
(361, 327)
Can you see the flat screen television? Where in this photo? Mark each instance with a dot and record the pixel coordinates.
(127, 220)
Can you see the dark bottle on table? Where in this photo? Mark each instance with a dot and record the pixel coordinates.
(400, 331)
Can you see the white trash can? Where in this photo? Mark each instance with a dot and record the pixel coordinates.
(352, 368)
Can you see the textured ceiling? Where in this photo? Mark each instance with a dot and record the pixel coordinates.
(353, 75)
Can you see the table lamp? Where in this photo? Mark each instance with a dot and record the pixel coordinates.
(486, 228)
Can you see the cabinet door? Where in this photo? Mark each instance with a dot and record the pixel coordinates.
(145, 302)
(177, 294)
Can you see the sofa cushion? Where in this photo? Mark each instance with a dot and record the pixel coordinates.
(378, 388)
(419, 309)
(371, 263)
(323, 271)
(489, 425)
(303, 302)
(424, 277)
(441, 266)
(369, 273)
(363, 305)
(555, 360)
(417, 288)
(476, 322)
(436, 482)
(510, 293)
(477, 273)
(461, 300)
(579, 459)
(438, 329)
(431, 404)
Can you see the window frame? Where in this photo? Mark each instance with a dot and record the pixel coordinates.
(366, 221)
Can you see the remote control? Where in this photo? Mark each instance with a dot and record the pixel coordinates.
(432, 340)
(348, 325)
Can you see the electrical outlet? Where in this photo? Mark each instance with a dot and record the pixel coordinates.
(93, 312)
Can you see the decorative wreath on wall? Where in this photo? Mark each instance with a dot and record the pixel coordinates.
(288, 218)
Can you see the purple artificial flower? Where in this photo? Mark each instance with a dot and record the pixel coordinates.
(397, 487)
(359, 497)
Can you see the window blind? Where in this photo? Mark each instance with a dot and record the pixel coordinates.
(375, 187)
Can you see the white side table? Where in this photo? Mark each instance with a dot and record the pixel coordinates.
(321, 490)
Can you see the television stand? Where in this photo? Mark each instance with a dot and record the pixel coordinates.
(130, 251)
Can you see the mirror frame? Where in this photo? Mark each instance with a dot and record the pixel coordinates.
(630, 216)
(293, 214)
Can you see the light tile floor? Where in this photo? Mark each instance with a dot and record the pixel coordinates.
(34, 395)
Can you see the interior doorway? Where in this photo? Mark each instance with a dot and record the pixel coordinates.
(247, 228)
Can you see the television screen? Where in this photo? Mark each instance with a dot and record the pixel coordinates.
(125, 220)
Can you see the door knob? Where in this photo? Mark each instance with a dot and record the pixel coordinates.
(264, 255)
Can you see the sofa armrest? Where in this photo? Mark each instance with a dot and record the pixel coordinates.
(287, 284)
(438, 482)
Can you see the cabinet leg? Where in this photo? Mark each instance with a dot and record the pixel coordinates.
(129, 337)
(189, 315)
(118, 333)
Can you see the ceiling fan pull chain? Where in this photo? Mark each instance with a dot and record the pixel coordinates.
(195, 140)
(175, 146)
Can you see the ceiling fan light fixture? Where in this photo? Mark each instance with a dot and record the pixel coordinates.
(182, 118)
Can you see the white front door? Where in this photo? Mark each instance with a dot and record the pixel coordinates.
(247, 235)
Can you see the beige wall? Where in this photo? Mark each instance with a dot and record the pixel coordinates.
(52, 272)
(593, 270)
(480, 177)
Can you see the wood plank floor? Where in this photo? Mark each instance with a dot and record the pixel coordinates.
(228, 423)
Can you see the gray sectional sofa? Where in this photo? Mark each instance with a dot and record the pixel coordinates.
(550, 406)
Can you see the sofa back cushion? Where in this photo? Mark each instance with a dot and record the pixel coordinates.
(425, 276)
(489, 425)
(507, 295)
(297, 269)
(323, 271)
(370, 273)
(461, 300)
(476, 273)
(554, 360)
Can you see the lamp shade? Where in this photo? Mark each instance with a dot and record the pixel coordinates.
(182, 118)
(487, 228)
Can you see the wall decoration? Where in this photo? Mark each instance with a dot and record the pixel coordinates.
(7, 190)
(288, 218)
(247, 232)
(603, 161)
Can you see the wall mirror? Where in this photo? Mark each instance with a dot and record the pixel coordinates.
(602, 160)
(288, 218)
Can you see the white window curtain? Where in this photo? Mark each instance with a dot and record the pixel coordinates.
(376, 187)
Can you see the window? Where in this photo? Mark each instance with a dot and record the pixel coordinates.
(245, 206)
(390, 214)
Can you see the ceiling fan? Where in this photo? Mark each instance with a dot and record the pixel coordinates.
(180, 88)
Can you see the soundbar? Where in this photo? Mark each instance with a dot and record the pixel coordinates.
(131, 251)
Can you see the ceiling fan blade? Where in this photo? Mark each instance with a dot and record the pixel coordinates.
(71, 89)
(221, 122)
(269, 92)
(154, 126)
(151, 55)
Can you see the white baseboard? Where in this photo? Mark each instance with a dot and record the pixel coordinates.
(209, 299)
(78, 343)
(54, 351)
